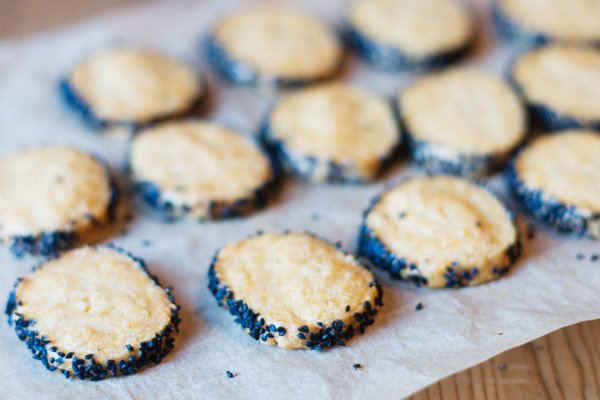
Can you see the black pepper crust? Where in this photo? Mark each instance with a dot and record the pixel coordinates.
(386, 58)
(317, 336)
(75, 102)
(550, 118)
(84, 366)
(401, 268)
(51, 243)
(216, 209)
(307, 168)
(242, 74)
(562, 217)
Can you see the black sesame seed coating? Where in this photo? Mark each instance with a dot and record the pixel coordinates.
(217, 209)
(317, 336)
(308, 168)
(401, 268)
(513, 32)
(386, 58)
(85, 366)
(242, 74)
(74, 101)
(522, 36)
(49, 244)
(562, 217)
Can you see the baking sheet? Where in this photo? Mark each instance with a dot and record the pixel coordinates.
(402, 352)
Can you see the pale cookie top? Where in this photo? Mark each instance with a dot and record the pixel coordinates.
(294, 279)
(51, 189)
(465, 110)
(94, 301)
(134, 85)
(280, 42)
(434, 222)
(569, 20)
(336, 122)
(565, 167)
(194, 162)
(417, 27)
(566, 79)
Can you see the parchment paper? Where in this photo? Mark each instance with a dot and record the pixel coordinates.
(404, 351)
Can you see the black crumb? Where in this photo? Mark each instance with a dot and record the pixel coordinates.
(347, 308)
(580, 256)
(594, 257)
(530, 232)
(501, 333)
(357, 366)
(478, 224)
(146, 242)
(501, 367)
(230, 374)
(419, 306)
(315, 217)
(402, 215)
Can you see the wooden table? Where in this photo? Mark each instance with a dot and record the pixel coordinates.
(562, 365)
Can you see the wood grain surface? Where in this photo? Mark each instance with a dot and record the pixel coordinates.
(562, 365)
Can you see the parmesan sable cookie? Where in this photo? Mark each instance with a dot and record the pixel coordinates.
(557, 180)
(272, 43)
(53, 198)
(440, 232)
(332, 132)
(94, 313)
(200, 170)
(294, 290)
(131, 88)
(562, 85)
(540, 22)
(461, 122)
(400, 34)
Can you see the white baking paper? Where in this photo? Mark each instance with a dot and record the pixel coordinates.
(402, 352)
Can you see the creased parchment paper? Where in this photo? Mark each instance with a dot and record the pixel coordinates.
(404, 351)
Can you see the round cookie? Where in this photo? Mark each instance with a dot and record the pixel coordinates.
(561, 85)
(461, 122)
(53, 198)
(200, 170)
(94, 313)
(400, 34)
(294, 290)
(539, 22)
(556, 179)
(131, 88)
(332, 132)
(272, 43)
(440, 232)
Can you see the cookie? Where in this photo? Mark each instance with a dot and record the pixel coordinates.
(561, 85)
(131, 88)
(273, 44)
(199, 170)
(461, 122)
(332, 132)
(52, 199)
(294, 290)
(556, 179)
(535, 22)
(400, 34)
(94, 313)
(440, 232)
